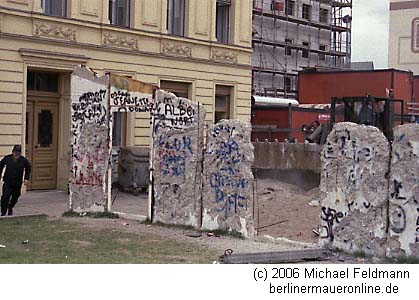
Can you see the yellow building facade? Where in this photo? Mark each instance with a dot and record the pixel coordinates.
(200, 49)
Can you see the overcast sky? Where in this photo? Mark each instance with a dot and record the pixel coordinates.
(370, 31)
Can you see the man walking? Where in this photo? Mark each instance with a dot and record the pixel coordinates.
(15, 164)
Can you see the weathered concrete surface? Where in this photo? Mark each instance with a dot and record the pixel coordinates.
(91, 167)
(354, 202)
(177, 160)
(404, 192)
(228, 178)
(287, 156)
(89, 141)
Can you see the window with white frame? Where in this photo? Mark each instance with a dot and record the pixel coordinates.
(56, 8)
(119, 12)
(223, 21)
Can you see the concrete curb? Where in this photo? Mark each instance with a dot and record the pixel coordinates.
(25, 215)
(131, 217)
(281, 240)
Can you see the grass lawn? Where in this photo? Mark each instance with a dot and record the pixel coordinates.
(56, 241)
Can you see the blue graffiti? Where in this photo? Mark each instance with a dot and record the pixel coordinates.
(176, 144)
(229, 170)
(173, 164)
(227, 182)
(229, 152)
(223, 128)
(217, 180)
(229, 202)
(173, 154)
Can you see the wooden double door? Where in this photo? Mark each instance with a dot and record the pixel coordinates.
(42, 142)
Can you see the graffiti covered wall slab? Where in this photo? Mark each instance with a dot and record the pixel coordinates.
(178, 127)
(404, 192)
(228, 178)
(129, 95)
(355, 163)
(89, 141)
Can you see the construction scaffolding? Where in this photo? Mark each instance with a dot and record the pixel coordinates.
(291, 35)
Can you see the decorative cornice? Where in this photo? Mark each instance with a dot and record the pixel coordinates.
(93, 46)
(54, 59)
(120, 41)
(176, 49)
(224, 56)
(54, 31)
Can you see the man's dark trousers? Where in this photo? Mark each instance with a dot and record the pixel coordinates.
(9, 191)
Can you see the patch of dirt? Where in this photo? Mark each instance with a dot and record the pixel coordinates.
(284, 211)
(82, 243)
(123, 241)
(218, 244)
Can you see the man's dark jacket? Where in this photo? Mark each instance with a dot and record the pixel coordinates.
(14, 169)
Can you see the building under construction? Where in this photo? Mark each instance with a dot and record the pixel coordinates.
(291, 35)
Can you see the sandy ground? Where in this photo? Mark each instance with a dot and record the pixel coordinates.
(278, 201)
(284, 210)
(218, 244)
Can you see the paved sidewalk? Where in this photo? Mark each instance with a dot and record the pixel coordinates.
(53, 203)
